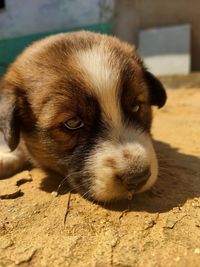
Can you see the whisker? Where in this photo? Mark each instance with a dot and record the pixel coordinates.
(65, 181)
(86, 194)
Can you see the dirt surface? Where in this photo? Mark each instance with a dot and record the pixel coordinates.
(157, 228)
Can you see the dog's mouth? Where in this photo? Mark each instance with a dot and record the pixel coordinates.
(135, 190)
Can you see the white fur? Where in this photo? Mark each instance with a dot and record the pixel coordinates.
(104, 79)
(11, 162)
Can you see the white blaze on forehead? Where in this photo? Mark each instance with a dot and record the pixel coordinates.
(104, 80)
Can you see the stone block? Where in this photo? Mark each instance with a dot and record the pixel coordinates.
(166, 50)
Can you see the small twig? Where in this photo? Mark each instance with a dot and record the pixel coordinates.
(68, 206)
(123, 213)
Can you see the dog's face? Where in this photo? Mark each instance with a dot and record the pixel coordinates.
(81, 102)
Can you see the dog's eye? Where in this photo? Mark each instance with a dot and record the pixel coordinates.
(74, 123)
(136, 107)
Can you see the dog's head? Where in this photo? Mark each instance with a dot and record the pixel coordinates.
(82, 104)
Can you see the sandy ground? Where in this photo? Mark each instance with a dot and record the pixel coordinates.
(157, 228)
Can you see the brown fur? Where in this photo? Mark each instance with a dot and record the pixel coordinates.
(45, 86)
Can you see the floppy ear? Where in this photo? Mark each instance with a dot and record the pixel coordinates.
(158, 95)
(9, 123)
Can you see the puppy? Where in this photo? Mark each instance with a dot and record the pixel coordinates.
(79, 104)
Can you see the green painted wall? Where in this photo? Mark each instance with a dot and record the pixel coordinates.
(10, 48)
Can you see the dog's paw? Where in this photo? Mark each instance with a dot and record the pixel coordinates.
(9, 164)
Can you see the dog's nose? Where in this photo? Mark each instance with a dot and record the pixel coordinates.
(134, 180)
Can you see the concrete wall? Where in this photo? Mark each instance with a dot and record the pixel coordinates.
(134, 15)
(25, 17)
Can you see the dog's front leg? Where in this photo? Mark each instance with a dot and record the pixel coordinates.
(12, 162)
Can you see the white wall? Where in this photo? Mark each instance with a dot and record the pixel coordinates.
(24, 17)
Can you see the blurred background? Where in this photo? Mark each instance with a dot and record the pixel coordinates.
(166, 33)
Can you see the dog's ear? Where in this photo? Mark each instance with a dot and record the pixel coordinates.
(9, 123)
(158, 95)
